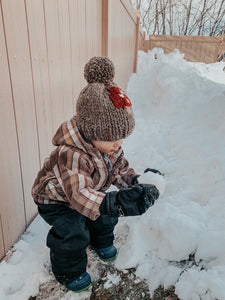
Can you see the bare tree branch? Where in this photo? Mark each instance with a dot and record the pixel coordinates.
(188, 14)
(218, 17)
(186, 17)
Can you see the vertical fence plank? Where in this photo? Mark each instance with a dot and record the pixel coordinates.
(93, 28)
(82, 38)
(97, 35)
(39, 57)
(114, 36)
(66, 59)
(12, 215)
(121, 40)
(75, 48)
(54, 60)
(221, 47)
(22, 85)
(129, 35)
(136, 42)
(86, 39)
(105, 26)
(2, 246)
(89, 8)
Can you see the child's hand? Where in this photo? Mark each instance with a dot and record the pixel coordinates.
(150, 194)
(152, 176)
(130, 201)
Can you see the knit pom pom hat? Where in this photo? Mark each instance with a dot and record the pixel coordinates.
(103, 111)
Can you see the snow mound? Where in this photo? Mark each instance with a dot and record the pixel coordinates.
(180, 129)
(27, 267)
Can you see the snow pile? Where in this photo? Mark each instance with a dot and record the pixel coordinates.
(180, 130)
(213, 72)
(27, 268)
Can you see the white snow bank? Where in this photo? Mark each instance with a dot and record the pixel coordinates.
(180, 129)
(26, 269)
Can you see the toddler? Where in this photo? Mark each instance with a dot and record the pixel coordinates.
(71, 188)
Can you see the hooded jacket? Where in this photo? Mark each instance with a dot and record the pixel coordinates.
(76, 174)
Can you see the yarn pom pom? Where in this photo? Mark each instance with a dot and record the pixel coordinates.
(99, 69)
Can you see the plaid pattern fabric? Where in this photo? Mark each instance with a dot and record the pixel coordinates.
(76, 174)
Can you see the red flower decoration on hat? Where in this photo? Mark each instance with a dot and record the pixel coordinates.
(118, 97)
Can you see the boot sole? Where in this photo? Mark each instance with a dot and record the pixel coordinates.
(84, 289)
(108, 259)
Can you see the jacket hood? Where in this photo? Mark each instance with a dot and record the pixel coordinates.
(69, 135)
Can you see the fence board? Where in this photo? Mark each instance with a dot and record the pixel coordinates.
(97, 34)
(58, 107)
(12, 215)
(39, 58)
(66, 58)
(105, 25)
(130, 10)
(82, 38)
(222, 44)
(141, 41)
(130, 37)
(114, 36)
(86, 40)
(2, 246)
(195, 48)
(121, 41)
(21, 78)
(89, 7)
(221, 56)
(93, 28)
(75, 48)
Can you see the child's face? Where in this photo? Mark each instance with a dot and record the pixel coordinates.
(108, 147)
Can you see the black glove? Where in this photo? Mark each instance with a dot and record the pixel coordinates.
(130, 201)
(153, 171)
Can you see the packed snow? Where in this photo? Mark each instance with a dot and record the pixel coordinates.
(180, 128)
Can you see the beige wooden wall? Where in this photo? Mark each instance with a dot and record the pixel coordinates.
(141, 42)
(196, 48)
(44, 45)
(122, 40)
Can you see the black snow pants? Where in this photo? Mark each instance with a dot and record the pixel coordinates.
(69, 237)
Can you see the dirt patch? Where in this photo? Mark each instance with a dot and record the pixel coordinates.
(111, 285)
(128, 288)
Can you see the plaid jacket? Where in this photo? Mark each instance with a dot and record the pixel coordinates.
(76, 174)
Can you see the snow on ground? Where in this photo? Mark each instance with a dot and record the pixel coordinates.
(21, 276)
(180, 128)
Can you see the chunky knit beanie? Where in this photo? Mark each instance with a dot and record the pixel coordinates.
(103, 110)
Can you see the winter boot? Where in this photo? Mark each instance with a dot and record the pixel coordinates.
(80, 284)
(107, 254)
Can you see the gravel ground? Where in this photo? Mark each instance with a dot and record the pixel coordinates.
(110, 284)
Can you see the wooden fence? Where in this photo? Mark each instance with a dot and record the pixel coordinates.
(196, 48)
(44, 45)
